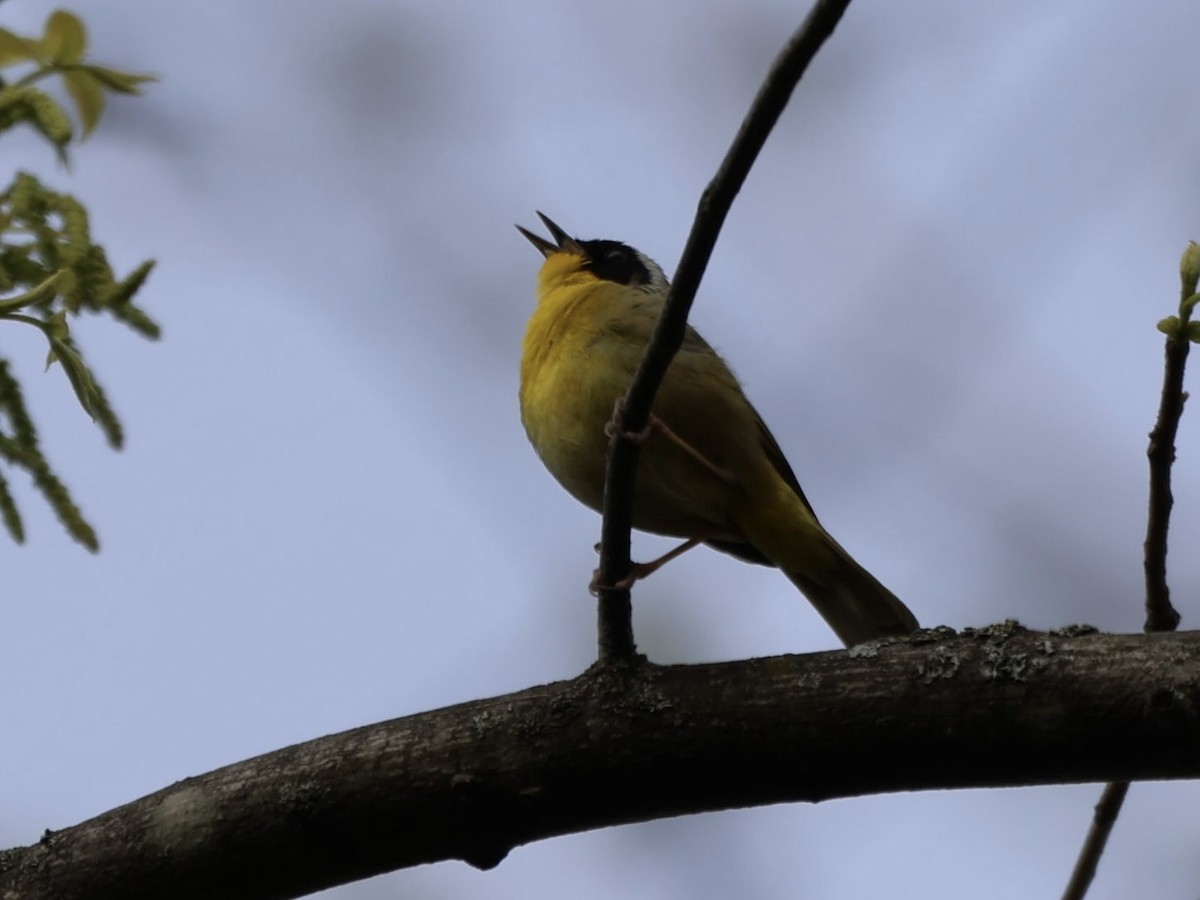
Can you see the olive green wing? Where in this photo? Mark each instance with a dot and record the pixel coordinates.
(748, 552)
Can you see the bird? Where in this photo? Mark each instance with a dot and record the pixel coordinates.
(710, 471)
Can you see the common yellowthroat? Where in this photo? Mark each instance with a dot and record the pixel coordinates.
(710, 472)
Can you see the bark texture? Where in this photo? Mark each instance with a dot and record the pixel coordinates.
(997, 707)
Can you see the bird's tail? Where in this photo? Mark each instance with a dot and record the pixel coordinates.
(857, 607)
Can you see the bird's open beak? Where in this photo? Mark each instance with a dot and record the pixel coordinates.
(564, 241)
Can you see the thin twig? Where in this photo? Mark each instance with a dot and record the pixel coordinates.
(1160, 614)
(615, 612)
(1093, 846)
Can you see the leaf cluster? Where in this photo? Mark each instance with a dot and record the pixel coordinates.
(50, 268)
(59, 51)
(1180, 326)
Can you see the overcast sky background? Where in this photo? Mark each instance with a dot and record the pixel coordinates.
(939, 287)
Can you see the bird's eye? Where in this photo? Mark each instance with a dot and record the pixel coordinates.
(615, 262)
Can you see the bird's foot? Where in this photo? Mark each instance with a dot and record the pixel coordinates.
(638, 571)
(655, 425)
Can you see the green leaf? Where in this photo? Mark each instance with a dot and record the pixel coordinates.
(1187, 304)
(14, 49)
(1193, 332)
(77, 373)
(57, 329)
(42, 293)
(1189, 267)
(1169, 326)
(119, 82)
(106, 416)
(64, 40)
(88, 96)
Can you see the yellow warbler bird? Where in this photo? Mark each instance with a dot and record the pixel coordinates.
(710, 470)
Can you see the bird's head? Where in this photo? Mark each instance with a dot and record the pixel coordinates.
(570, 259)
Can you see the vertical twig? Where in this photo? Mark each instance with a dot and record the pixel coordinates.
(1160, 614)
(615, 625)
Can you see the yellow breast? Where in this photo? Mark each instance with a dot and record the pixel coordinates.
(577, 359)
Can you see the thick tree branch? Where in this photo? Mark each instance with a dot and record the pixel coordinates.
(999, 707)
(615, 613)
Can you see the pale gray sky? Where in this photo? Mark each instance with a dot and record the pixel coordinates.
(939, 287)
